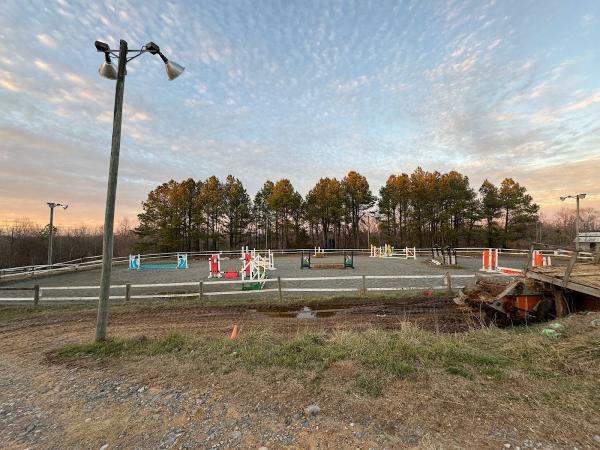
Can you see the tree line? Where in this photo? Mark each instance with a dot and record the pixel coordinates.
(418, 209)
(24, 243)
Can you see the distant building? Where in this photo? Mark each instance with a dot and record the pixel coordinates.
(589, 241)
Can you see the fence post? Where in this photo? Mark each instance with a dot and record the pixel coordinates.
(364, 285)
(36, 295)
(449, 282)
(127, 292)
(200, 290)
(279, 289)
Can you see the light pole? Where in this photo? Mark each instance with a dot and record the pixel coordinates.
(51, 230)
(576, 197)
(538, 230)
(107, 70)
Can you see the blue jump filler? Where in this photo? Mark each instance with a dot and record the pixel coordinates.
(135, 263)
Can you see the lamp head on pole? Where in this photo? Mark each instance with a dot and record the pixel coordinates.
(581, 195)
(53, 205)
(107, 70)
(173, 69)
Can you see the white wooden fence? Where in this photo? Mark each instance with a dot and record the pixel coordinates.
(90, 262)
(198, 289)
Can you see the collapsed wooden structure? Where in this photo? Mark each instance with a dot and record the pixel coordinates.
(578, 276)
(541, 291)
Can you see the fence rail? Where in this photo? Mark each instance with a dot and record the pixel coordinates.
(198, 288)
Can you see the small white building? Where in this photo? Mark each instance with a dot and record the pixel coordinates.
(589, 241)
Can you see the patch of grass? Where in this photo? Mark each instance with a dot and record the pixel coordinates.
(369, 385)
(117, 348)
(458, 351)
(394, 354)
(550, 398)
(460, 358)
(308, 352)
(493, 373)
(398, 369)
(380, 356)
(589, 349)
(460, 371)
(258, 350)
(317, 380)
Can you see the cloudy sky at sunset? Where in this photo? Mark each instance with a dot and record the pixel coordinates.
(300, 90)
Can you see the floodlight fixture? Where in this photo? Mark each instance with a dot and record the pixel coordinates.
(152, 48)
(102, 46)
(106, 70)
(173, 69)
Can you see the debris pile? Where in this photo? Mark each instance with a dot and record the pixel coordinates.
(507, 300)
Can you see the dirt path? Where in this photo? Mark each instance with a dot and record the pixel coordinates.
(136, 403)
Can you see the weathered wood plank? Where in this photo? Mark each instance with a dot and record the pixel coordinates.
(579, 287)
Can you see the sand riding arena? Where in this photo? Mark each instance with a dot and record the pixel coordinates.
(378, 291)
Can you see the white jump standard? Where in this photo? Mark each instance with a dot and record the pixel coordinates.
(254, 268)
(410, 253)
(387, 251)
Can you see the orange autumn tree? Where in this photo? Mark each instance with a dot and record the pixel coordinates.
(357, 199)
(283, 201)
(324, 205)
(518, 209)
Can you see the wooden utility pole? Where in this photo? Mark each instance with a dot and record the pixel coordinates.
(279, 290)
(577, 246)
(109, 215)
(52, 205)
(50, 233)
(36, 295)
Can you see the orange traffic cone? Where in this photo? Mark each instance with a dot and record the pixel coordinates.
(234, 333)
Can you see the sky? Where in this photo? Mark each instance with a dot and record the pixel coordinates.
(298, 90)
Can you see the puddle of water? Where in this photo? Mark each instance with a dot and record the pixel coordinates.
(304, 314)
